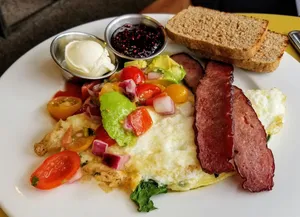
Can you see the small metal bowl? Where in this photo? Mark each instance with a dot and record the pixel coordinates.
(133, 19)
(57, 50)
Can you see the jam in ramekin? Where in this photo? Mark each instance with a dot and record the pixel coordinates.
(137, 41)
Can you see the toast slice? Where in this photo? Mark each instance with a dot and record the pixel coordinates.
(219, 33)
(267, 58)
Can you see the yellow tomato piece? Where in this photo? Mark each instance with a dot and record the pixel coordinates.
(80, 144)
(162, 82)
(177, 92)
(63, 106)
(109, 87)
(115, 77)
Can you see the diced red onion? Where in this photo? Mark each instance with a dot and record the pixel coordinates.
(76, 177)
(88, 111)
(97, 87)
(91, 92)
(164, 105)
(154, 75)
(127, 126)
(99, 147)
(115, 161)
(88, 105)
(96, 119)
(129, 87)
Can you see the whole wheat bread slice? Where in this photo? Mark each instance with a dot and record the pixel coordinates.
(220, 33)
(267, 58)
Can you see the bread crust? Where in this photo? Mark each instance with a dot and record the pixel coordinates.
(214, 49)
(248, 64)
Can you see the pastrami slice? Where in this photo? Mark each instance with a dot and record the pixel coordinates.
(193, 68)
(214, 127)
(253, 160)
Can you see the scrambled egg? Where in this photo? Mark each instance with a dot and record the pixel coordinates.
(269, 106)
(167, 153)
(52, 141)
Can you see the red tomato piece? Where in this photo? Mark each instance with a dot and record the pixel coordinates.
(149, 102)
(134, 73)
(89, 86)
(71, 89)
(146, 91)
(140, 120)
(102, 135)
(56, 170)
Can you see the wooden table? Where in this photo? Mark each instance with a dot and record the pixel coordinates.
(278, 23)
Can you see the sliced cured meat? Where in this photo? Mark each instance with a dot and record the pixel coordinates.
(254, 161)
(194, 70)
(214, 118)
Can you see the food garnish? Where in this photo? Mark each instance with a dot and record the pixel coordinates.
(139, 121)
(177, 92)
(63, 106)
(170, 70)
(115, 161)
(56, 170)
(134, 73)
(115, 107)
(144, 191)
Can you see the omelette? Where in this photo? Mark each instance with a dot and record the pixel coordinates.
(166, 153)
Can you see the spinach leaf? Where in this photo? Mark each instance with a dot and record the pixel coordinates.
(144, 191)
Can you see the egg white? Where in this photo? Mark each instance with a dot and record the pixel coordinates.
(167, 152)
(269, 106)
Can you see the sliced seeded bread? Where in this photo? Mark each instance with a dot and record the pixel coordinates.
(265, 60)
(219, 33)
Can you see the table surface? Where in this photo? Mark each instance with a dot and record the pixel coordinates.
(279, 23)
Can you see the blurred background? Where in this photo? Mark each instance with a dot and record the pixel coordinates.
(25, 23)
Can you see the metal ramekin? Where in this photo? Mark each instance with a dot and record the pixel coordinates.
(133, 19)
(57, 50)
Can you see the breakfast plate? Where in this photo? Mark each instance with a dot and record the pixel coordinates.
(27, 86)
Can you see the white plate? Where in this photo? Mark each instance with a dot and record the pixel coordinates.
(25, 89)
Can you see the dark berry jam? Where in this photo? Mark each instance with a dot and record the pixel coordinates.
(137, 41)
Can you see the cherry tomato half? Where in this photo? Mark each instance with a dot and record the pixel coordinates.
(146, 91)
(140, 121)
(71, 89)
(102, 135)
(63, 107)
(56, 170)
(77, 141)
(134, 73)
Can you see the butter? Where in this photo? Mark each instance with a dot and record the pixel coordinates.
(87, 58)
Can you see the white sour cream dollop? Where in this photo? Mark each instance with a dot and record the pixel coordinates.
(88, 58)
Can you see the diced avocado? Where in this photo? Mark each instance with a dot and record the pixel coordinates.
(141, 64)
(114, 108)
(171, 70)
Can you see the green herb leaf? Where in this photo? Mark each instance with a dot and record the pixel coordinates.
(84, 163)
(268, 137)
(143, 192)
(34, 181)
(216, 175)
(91, 132)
